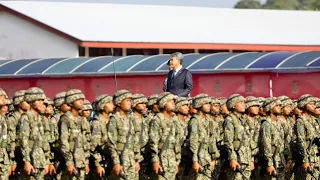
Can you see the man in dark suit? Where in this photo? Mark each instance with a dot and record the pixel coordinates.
(179, 79)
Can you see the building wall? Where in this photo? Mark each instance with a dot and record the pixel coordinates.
(217, 85)
(20, 39)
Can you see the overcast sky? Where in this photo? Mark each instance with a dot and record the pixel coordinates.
(202, 3)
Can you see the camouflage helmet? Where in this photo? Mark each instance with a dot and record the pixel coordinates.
(180, 101)
(48, 101)
(252, 101)
(215, 100)
(18, 97)
(294, 104)
(200, 100)
(33, 94)
(72, 95)
(261, 100)
(101, 101)
(120, 95)
(164, 98)
(3, 93)
(138, 99)
(8, 102)
(233, 100)
(86, 105)
(59, 99)
(269, 103)
(152, 100)
(222, 100)
(285, 100)
(304, 100)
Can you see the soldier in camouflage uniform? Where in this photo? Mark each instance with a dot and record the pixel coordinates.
(286, 121)
(86, 110)
(33, 141)
(140, 124)
(237, 140)
(4, 109)
(14, 150)
(224, 112)
(215, 116)
(251, 114)
(104, 107)
(164, 145)
(192, 111)
(271, 142)
(182, 120)
(121, 138)
(47, 116)
(304, 129)
(4, 159)
(202, 139)
(74, 133)
(152, 107)
(262, 114)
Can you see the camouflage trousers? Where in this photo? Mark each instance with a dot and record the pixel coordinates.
(281, 176)
(205, 176)
(66, 176)
(4, 171)
(232, 175)
(39, 175)
(300, 174)
(129, 167)
(217, 169)
(169, 165)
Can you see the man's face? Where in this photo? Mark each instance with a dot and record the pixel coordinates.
(125, 104)
(286, 110)
(240, 107)
(24, 106)
(109, 107)
(86, 113)
(215, 108)
(175, 62)
(65, 108)
(141, 108)
(78, 104)
(254, 110)
(38, 104)
(310, 107)
(276, 109)
(170, 66)
(206, 108)
(49, 110)
(170, 106)
(224, 109)
(184, 109)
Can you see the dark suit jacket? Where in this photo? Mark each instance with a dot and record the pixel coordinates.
(181, 85)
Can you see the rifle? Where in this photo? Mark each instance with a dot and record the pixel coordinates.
(163, 148)
(121, 174)
(311, 173)
(35, 143)
(201, 169)
(103, 161)
(75, 172)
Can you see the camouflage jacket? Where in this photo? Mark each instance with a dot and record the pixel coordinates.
(13, 134)
(182, 130)
(305, 133)
(4, 159)
(159, 131)
(118, 129)
(237, 139)
(99, 137)
(201, 142)
(271, 139)
(72, 130)
(254, 127)
(141, 133)
(32, 134)
(287, 132)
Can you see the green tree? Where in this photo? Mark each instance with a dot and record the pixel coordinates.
(248, 4)
(282, 4)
